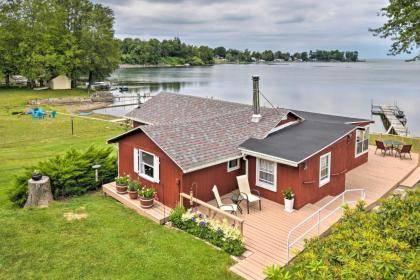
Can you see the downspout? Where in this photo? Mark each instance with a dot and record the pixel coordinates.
(246, 164)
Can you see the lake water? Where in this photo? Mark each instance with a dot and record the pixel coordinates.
(336, 88)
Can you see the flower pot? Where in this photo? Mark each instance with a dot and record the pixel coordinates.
(121, 188)
(133, 194)
(146, 202)
(36, 177)
(288, 205)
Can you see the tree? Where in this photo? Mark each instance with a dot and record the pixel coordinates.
(402, 27)
(10, 37)
(220, 51)
(99, 47)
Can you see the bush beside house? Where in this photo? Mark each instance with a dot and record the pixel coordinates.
(70, 174)
(364, 245)
(219, 234)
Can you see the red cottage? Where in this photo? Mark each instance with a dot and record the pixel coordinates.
(182, 142)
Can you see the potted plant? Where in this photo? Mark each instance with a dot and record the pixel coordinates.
(289, 199)
(133, 188)
(36, 175)
(122, 183)
(147, 196)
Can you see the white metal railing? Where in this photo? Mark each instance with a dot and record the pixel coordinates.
(317, 214)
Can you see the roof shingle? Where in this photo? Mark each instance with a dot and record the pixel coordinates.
(197, 131)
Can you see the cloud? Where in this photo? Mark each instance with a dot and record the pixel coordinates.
(256, 24)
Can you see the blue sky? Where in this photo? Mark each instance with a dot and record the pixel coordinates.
(293, 25)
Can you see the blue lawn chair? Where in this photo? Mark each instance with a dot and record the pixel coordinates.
(39, 114)
(53, 114)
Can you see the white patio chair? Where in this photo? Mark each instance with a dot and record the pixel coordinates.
(232, 208)
(246, 191)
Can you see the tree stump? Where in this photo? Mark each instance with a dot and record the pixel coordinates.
(39, 193)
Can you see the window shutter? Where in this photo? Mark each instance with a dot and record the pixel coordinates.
(136, 160)
(156, 168)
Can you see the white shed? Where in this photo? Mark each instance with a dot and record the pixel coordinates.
(60, 82)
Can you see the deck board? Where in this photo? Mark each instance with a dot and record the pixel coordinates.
(159, 213)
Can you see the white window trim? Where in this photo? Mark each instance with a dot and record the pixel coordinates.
(156, 166)
(325, 181)
(238, 165)
(355, 142)
(264, 185)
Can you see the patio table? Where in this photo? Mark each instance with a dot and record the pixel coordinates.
(237, 199)
(393, 144)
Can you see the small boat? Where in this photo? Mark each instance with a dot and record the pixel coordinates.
(84, 113)
(123, 88)
(399, 114)
(403, 121)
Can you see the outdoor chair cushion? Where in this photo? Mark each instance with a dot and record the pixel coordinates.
(229, 207)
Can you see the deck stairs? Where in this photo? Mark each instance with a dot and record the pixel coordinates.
(413, 179)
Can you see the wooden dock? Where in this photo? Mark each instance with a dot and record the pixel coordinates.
(392, 123)
(159, 213)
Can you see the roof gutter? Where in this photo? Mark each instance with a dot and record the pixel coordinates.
(268, 157)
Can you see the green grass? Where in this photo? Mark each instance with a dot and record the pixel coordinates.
(112, 242)
(406, 140)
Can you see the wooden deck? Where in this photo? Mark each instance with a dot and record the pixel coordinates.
(380, 174)
(266, 231)
(159, 213)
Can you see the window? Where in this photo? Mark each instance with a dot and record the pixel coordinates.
(362, 141)
(266, 174)
(233, 165)
(147, 165)
(324, 169)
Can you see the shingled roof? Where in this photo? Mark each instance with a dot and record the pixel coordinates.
(294, 144)
(196, 132)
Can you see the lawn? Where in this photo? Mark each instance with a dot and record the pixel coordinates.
(111, 242)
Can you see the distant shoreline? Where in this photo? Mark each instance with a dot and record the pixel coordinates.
(130, 66)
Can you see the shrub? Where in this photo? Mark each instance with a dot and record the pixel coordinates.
(70, 174)
(176, 215)
(219, 234)
(363, 245)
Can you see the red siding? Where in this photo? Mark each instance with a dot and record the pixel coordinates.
(168, 190)
(312, 192)
(290, 118)
(208, 177)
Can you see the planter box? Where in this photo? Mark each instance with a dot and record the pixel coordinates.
(133, 195)
(121, 188)
(146, 202)
(288, 205)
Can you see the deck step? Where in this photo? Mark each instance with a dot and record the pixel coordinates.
(413, 179)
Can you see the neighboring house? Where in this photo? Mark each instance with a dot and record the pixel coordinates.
(60, 82)
(183, 142)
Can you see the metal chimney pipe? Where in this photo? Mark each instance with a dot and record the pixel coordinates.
(256, 115)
